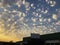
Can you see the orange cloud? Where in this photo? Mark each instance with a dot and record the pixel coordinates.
(7, 36)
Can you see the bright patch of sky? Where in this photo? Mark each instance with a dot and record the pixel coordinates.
(32, 16)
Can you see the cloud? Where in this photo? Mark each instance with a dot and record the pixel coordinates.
(58, 23)
(32, 5)
(10, 2)
(51, 3)
(34, 19)
(41, 20)
(49, 19)
(7, 37)
(54, 16)
(12, 25)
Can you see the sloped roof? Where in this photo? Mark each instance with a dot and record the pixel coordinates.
(53, 36)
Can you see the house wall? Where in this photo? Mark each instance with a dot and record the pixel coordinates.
(52, 42)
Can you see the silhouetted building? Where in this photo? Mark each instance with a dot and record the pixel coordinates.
(51, 39)
(36, 39)
(35, 35)
(33, 40)
(47, 39)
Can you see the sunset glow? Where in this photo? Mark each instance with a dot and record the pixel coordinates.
(20, 18)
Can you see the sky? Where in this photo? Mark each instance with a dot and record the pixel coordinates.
(20, 18)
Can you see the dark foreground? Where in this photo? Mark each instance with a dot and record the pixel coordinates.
(36, 39)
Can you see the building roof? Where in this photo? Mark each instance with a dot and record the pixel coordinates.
(53, 36)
